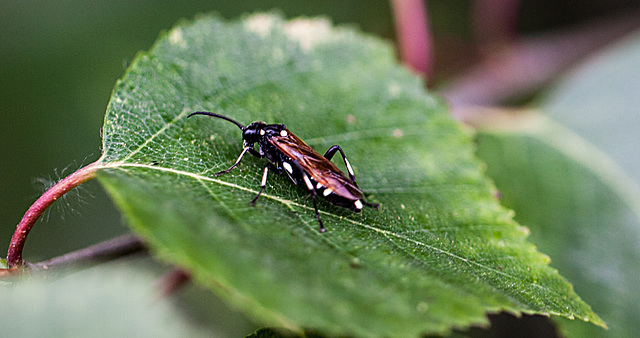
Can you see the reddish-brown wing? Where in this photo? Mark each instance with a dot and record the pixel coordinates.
(316, 166)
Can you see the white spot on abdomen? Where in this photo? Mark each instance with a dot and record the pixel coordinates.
(358, 204)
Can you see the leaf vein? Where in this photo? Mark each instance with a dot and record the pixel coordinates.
(156, 134)
(289, 204)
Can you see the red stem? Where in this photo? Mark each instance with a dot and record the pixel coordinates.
(414, 36)
(14, 255)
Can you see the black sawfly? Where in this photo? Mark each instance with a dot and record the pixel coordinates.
(285, 151)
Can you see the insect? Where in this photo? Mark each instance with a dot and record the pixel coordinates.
(304, 166)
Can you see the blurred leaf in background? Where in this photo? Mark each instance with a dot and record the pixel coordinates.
(577, 186)
(115, 300)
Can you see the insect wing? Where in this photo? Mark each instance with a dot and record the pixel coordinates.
(320, 169)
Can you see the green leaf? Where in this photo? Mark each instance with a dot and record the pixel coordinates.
(438, 254)
(577, 187)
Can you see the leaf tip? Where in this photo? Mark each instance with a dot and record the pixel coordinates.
(595, 319)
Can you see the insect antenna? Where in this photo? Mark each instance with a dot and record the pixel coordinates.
(218, 116)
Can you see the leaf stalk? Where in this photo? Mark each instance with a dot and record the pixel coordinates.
(14, 255)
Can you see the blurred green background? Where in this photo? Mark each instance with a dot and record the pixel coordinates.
(60, 59)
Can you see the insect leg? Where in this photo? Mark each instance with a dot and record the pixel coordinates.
(315, 205)
(263, 184)
(332, 151)
(329, 154)
(244, 151)
(255, 153)
(371, 205)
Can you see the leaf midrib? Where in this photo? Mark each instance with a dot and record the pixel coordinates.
(122, 166)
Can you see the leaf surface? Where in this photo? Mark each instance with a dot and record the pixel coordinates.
(439, 253)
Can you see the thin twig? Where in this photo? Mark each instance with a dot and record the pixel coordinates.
(112, 249)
